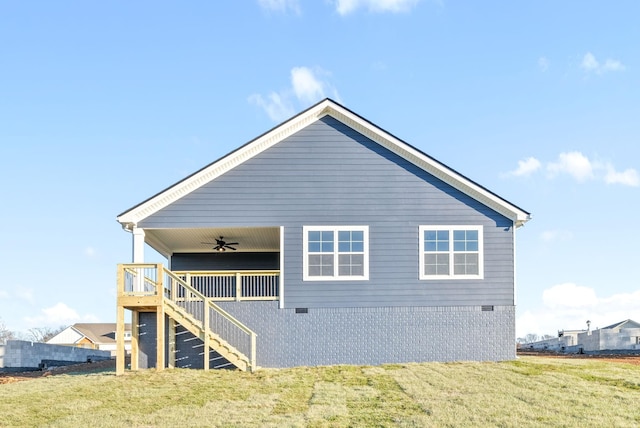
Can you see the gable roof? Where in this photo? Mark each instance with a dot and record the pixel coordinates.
(98, 333)
(622, 324)
(326, 107)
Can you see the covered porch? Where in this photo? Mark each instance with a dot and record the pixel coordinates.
(205, 266)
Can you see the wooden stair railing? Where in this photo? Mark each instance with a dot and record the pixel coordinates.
(216, 343)
(218, 329)
(194, 311)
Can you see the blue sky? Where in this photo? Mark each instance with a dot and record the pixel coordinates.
(103, 104)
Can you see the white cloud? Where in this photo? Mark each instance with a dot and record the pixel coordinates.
(573, 163)
(526, 167)
(556, 235)
(613, 65)
(591, 65)
(90, 252)
(344, 7)
(543, 64)
(307, 86)
(568, 306)
(569, 295)
(281, 6)
(628, 177)
(589, 62)
(4, 294)
(580, 167)
(58, 314)
(277, 107)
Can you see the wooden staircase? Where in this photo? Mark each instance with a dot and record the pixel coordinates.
(153, 288)
(208, 337)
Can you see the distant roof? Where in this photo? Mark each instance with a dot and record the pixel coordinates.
(326, 107)
(99, 332)
(622, 324)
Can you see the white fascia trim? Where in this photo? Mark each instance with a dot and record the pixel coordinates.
(223, 165)
(431, 166)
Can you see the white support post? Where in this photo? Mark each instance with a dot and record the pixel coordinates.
(281, 274)
(138, 245)
(138, 257)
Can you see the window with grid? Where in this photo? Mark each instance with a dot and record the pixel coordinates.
(336, 252)
(453, 252)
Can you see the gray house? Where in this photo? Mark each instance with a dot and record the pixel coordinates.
(326, 240)
(623, 336)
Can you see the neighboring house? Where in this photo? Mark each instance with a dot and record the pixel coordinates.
(92, 335)
(622, 336)
(326, 240)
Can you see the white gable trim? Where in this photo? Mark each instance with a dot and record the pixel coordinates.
(131, 217)
(431, 166)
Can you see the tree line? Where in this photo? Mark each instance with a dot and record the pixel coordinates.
(37, 334)
(532, 337)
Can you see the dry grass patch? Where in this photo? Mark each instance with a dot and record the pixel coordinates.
(532, 391)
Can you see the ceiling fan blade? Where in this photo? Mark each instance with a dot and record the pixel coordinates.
(232, 243)
(231, 248)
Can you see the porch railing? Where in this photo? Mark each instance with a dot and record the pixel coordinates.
(139, 279)
(232, 285)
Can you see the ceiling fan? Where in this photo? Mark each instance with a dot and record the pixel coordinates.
(221, 245)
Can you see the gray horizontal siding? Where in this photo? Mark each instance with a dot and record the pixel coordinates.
(328, 174)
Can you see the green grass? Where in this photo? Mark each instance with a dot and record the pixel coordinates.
(531, 391)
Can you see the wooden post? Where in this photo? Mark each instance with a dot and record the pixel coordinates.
(207, 335)
(253, 351)
(159, 281)
(160, 330)
(238, 286)
(160, 342)
(135, 337)
(172, 343)
(120, 340)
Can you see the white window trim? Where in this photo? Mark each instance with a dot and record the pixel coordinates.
(451, 228)
(335, 230)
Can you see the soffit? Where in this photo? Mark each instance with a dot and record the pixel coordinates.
(249, 239)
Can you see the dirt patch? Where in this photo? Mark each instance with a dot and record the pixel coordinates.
(615, 358)
(81, 368)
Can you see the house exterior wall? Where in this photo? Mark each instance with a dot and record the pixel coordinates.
(557, 344)
(377, 335)
(329, 174)
(225, 261)
(325, 336)
(147, 351)
(188, 348)
(67, 336)
(625, 338)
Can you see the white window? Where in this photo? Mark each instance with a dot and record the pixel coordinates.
(336, 253)
(451, 252)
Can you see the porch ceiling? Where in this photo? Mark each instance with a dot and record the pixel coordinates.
(249, 239)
